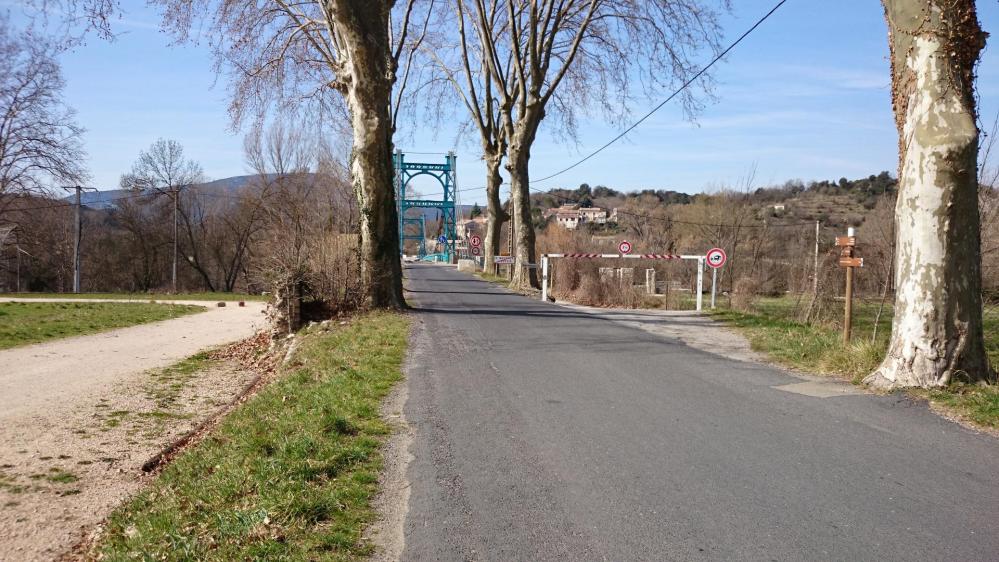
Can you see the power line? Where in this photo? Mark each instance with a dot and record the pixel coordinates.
(682, 87)
(672, 96)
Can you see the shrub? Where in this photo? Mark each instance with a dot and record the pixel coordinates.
(744, 294)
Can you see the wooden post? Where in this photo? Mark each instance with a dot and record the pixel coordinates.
(849, 261)
(848, 320)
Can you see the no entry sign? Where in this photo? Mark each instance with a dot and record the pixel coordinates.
(475, 241)
(716, 257)
(624, 247)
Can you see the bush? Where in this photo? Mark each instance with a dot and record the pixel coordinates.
(744, 294)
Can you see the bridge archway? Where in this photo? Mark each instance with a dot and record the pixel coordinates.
(412, 226)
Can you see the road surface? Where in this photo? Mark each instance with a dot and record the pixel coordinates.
(546, 433)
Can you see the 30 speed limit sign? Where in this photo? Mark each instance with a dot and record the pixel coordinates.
(716, 257)
(624, 247)
(476, 251)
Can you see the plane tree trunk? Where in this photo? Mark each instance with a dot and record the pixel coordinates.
(495, 214)
(518, 164)
(937, 333)
(366, 82)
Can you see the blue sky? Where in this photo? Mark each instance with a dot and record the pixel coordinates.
(806, 96)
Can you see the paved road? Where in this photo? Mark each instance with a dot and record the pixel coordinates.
(544, 433)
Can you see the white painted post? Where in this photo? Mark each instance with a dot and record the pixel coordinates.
(700, 282)
(714, 283)
(544, 278)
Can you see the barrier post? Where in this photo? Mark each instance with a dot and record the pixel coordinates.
(700, 282)
(544, 277)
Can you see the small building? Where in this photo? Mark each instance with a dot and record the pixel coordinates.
(571, 216)
(593, 214)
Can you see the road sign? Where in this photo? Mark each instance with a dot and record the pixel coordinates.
(849, 241)
(442, 239)
(475, 241)
(476, 251)
(503, 260)
(851, 262)
(624, 247)
(716, 257)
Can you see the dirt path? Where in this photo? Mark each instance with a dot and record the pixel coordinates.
(51, 375)
(79, 416)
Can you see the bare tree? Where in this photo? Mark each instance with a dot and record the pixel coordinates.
(40, 143)
(163, 169)
(324, 55)
(71, 20)
(937, 334)
(308, 244)
(463, 56)
(556, 57)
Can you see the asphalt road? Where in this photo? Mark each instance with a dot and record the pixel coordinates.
(544, 433)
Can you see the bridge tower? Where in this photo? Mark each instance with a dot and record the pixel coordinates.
(446, 176)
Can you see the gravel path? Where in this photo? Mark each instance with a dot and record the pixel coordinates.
(79, 416)
(51, 375)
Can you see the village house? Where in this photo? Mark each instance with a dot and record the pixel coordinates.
(571, 216)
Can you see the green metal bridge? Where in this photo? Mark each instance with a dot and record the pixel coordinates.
(445, 175)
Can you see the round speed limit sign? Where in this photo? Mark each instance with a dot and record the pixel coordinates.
(624, 247)
(476, 251)
(716, 257)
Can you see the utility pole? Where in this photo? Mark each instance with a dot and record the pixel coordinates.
(19, 252)
(176, 197)
(76, 244)
(76, 239)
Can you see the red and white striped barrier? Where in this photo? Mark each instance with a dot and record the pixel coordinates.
(700, 268)
(628, 256)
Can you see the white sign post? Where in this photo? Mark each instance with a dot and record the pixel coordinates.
(714, 285)
(716, 258)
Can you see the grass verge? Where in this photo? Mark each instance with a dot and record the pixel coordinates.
(818, 348)
(142, 296)
(287, 476)
(23, 323)
(492, 277)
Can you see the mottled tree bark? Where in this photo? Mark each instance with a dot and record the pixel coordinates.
(495, 215)
(518, 164)
(937, 332)
(367, 77)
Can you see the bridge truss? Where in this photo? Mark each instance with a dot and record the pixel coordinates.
(445, 174)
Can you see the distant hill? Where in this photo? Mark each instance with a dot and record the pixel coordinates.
(101, 200)
(106, 199)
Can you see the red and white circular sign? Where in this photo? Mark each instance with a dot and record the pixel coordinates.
(624, 247)
(475, 241)
(476, 251)
(716, 257)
